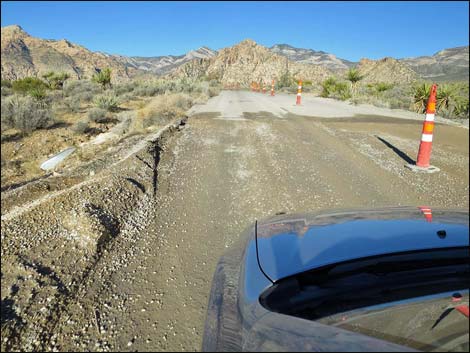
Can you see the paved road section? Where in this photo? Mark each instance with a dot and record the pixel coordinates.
(241, 157)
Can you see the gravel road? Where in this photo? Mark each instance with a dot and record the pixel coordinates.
(240, 157)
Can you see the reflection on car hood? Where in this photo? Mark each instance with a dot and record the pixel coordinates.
(296, 243)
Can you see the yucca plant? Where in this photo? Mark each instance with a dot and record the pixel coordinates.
(56, 80)
(420, 93)
(328, 87)
(383, 86)
(103, 78)
(448, 99)
(354, 77)
(107, 102)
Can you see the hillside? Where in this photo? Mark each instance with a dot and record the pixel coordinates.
(24, 55)
(246, 62)
(164, 64)
(448, 64)
(309, 56)
(386, 70)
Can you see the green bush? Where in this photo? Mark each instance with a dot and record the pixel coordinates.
(342, 90)
(108, 102)
(328, 87)
(28, 85)
(334, 89)
(25, 114)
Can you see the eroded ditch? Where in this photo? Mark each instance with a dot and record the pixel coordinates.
(49, 252)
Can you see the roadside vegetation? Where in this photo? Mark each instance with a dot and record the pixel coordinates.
(452, 97)
(42, 115)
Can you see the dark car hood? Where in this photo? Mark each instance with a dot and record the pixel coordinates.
(292, 244)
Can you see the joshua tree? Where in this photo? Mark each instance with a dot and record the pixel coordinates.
(56, 80)
(103, 77)
(353, 76)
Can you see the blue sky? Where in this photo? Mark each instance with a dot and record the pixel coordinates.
(350, 30)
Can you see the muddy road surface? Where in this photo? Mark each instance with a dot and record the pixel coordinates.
(245, 156)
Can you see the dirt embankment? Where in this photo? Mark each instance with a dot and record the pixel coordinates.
(55, 231)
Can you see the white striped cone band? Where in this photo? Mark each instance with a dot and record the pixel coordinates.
(426, 137)
(429, 117)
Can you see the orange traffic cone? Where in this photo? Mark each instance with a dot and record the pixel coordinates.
(299, 93)
(424, 152)
(272, 88)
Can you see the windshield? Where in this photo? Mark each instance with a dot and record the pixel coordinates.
(402, 298)
(435, 323)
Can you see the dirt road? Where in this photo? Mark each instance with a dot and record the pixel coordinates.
(241, 157)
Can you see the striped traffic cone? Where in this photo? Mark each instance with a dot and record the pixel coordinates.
(424, 152)
(272, 88)
(299, 93)
(427, 212)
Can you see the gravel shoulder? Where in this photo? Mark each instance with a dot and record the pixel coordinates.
(240, 157)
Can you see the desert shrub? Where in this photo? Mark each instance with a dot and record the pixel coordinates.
(6, 91)
(108, 102)
(214, 83)
(150, 89)
(165, 108)
(56, 80)
(97, 115)
(213, 91)
(38, 93)
(103, 78)
(72, 104)
(84, 89)
(332, 88)
(286, 80)
(28, 85)
(342, 91)
(6, 83)
(328, 87)
(25, 114)
(80, 127)
(124, 88)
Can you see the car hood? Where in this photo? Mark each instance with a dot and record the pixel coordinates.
(291, 244)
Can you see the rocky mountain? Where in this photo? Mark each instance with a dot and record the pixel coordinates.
(387, 70)
(160, 65)
(309, 56)
(246, 62)
(445, 65)
(23, 55)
